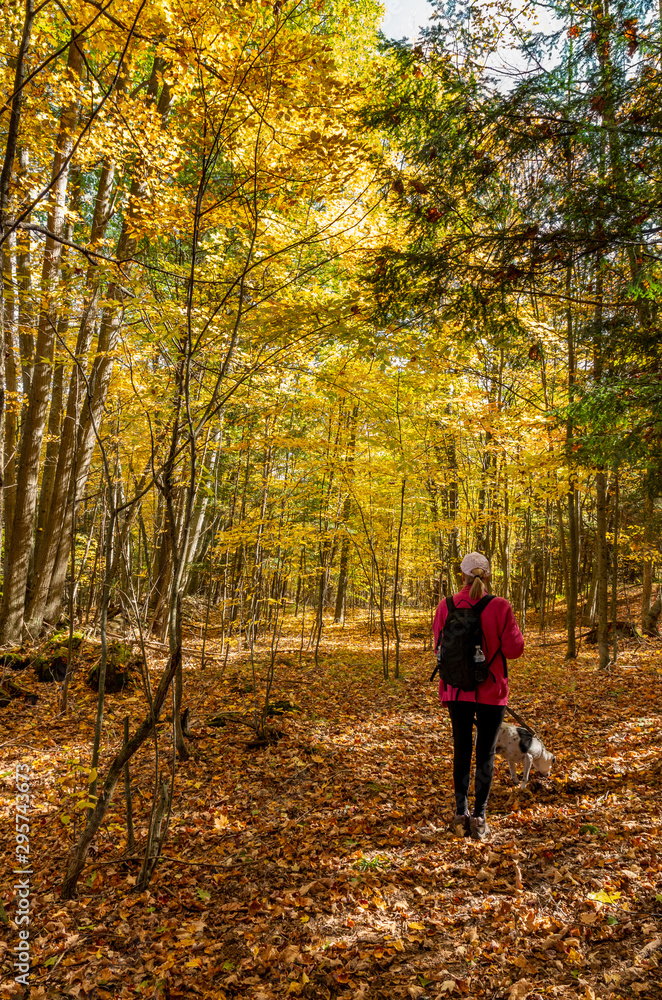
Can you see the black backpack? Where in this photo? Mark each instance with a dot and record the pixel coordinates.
(461, 661)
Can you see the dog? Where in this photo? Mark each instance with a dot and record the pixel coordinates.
(517, 744)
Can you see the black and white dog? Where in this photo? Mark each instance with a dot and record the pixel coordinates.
(517, 744)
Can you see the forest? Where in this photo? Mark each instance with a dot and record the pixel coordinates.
(294, 316)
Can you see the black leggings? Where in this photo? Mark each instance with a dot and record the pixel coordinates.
(488, 719)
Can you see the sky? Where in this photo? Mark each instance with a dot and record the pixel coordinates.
(405, 17)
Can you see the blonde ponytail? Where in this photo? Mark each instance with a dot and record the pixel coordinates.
(478, 588)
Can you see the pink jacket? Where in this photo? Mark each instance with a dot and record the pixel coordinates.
(500, 631)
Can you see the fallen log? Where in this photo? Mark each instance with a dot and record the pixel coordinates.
(10, 690)
(625, 630)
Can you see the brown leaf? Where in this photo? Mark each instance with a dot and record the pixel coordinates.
(519, 989)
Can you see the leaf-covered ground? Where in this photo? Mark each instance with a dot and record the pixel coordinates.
(323, 866)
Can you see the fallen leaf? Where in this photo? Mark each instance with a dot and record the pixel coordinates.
(519, 989)
(518, 876)
(605, 897)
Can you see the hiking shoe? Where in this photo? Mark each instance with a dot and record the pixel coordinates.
(478, 828)
(461, 825)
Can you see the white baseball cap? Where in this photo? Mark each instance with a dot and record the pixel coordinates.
(474, 561)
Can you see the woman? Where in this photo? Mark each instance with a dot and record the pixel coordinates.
(486, 705)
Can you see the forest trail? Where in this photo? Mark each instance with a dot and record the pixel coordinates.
(323, 866)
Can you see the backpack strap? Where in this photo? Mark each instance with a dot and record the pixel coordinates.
(450, 606)
(480, 607)
(482, 604)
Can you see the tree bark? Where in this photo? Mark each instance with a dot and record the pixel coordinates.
(49, 472)
(346, 511)
(572, 497)
(7, 378)
(25, 318)
(55, 506)
(209, 464)
(647, 588)
(8, 373)
(562, 548)
(652, 617)
(102, 369)
(614, 564)
(10, 437)
(602, 568)
(15, 115)
(396, 576)
(22, 528)
(158, 598)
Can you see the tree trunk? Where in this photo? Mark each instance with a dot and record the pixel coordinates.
(602, 567)
(647, 589)
(342, 570)
(601, 501)
(10, 437)
(54, 518)
(49, 480)
(614, 566)
(22, 528)
(99, 380)
(589, 607)
(650, 622)
(7, 238)
(572, 497)
(504, 544)
(7, 381)
(562, 548)
(15, 115)
(197, 535)
(158, 599)
(396, 576)
(347, 509)
(25, 314)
